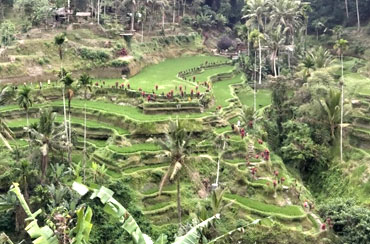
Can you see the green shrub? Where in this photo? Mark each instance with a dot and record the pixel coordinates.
(118, 63)
(95, 55)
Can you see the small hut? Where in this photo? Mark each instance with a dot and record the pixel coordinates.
(83, 16)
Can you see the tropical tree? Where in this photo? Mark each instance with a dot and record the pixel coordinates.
(5, 133)
(331, 107)
(85, 82)
(49, 136)
(321, 57)
(307, 65)
(255, 13)
(24, 100)
(287, 13)
(318, 25)
(59, 40)
(133, 5)
(275, 41)
(177, 144)
(341, 45)
(358, 16)
(162, 5)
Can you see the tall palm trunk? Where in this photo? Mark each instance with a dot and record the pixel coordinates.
(70, 132)
(163, 17)
(65, 117)
(98, 12)
(84, 156)
(178, 200)
(132, 17)
(255, 83)
(183, 8)
(358, 17)
(142, 31)
(346, 4)
(341, 112)
(44, 161)
(27, 118)
(174, 12)
(260, 59)
(274, 62)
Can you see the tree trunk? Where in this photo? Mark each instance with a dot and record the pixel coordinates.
(260, 59)
(84, 156)
(183, 8)
(142, 30)
(65, 116)
(346, 3)
(70, 134)
(133, 18)
(163, 17)
(274, 61)
(174, 12)
(178, 200)
(358, 17)
(341, 114)
(255, 83)
(98, 12)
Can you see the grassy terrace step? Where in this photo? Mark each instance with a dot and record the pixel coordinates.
(142, 147)
(165, 73)
(17, 123)
(257, 207)
(155, 191)
(145, 168)
(159, 208)
(223, 91)
(131, 112)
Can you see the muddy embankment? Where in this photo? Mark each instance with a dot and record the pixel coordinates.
(135, 66)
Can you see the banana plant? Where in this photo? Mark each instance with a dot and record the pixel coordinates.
(41, 235)
(116, 210)
(45, 235)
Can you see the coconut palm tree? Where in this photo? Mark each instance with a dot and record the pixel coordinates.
(24, 100)
(331, 107)
(287, 13)
(177, 144)
(321, 57)
(162, 5)
(86, 83)
(275, 41)
(5, 133)
(49, 136)
(255, 12)
(307, 65)
(346, 5)
(59, 40)
(255, 37)
(341, 45)
(67, 80)
(358, 16)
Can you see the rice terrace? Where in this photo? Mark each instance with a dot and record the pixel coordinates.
(184, 121)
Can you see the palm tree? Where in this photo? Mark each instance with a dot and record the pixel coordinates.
(59, 41)
(318, 25)
(5, 132)
(162, 4)
(341, 45)
(255, 11)
(288, 14)
(307, 65)
(133, 4)
(321, 57)
(177, 144)
(346, 5)
(86, 83)
(67, 80)
(331, 107)
(358, 16)
(275, 40)
(255, 37)
(49, 137)
(24, 100)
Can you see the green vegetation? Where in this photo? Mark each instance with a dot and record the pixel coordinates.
(175, 113)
